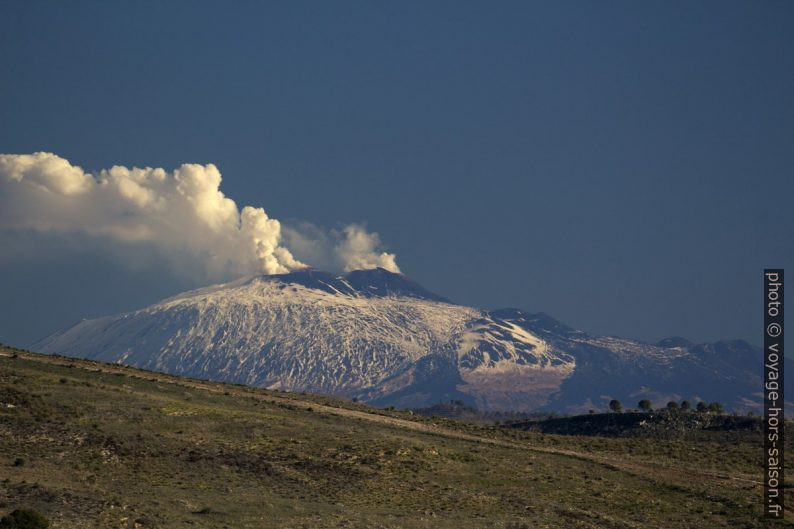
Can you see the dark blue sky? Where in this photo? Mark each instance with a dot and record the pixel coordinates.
(623, 166)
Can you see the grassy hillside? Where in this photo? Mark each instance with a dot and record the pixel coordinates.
(92, 445)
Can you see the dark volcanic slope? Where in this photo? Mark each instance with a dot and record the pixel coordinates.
(368, 283)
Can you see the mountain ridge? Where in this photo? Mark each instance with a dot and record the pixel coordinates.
(378, 336)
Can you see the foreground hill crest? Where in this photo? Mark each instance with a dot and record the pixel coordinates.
(380, 337)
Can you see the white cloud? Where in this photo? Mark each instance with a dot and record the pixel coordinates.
(361, 250)
(183, 214)
(47, 172)
(351, 248)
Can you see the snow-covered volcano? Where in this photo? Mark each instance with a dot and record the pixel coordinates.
(382, 338)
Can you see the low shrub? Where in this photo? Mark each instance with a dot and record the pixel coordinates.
(24, 519)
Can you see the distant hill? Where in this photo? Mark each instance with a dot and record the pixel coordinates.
(661, 424)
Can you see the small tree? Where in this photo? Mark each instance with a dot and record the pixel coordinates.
(672, 405)
(686, 405)
(615, 405)
(645, 405)
(701, 407)
(716, 407)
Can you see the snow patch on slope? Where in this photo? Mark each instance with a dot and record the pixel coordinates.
(270, 333)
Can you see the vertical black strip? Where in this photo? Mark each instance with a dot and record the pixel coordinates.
(774, 403)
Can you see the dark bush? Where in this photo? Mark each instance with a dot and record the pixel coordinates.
(24, 519)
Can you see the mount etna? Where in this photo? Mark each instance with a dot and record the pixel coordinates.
(379, 337)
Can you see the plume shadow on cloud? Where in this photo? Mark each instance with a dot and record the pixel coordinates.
(182, 216)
